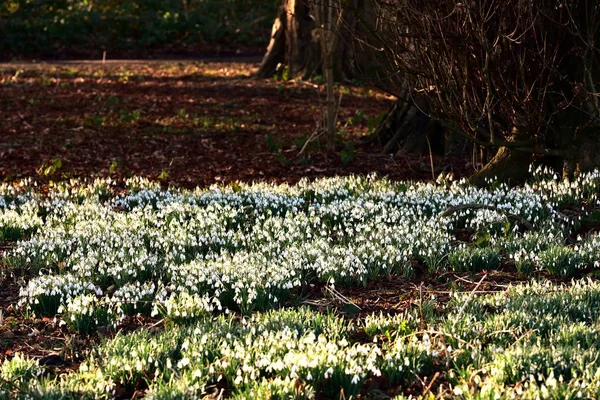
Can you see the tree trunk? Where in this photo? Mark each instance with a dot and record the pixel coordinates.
(276, 49)
(508, 165)
(588, 153)
(296, 49)
(329, 37)
(407, 130)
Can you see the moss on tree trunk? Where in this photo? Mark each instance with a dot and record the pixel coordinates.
(508, 165)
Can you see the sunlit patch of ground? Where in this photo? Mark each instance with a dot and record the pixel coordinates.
(190, 122)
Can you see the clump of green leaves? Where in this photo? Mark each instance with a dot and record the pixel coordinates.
(388, 326)
(129, 117)
(347, 155)
(15, 374)
(51, 167)
(85, 313)
(131, 358)
(525, 262)
(278, 389)
(561, 261)
(541, 337)
(468, 259)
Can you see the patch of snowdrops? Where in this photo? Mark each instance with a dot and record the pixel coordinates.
(185, 254)
(17, 373)
(279, 354)
(536, 340)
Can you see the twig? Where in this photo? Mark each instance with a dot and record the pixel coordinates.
(316, 134)
(157, 323)
(319, 130)
(477, 291)
(341, 297)
(430, 158)
(491, 283)
(337, 109)
(428, 388)
(471, 294)
(518, 339)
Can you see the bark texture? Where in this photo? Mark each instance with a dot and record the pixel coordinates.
(508, 165)
(588, 149)
(296, 46)
(407, 130)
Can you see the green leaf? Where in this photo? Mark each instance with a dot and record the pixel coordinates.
(164, 175)
(483, 239)
(113, 167)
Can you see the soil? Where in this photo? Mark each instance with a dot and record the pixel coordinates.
(188, 123)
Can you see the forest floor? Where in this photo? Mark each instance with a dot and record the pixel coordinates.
(194, 123)
(188, 123)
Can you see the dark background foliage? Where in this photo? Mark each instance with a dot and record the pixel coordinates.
(87, 28)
